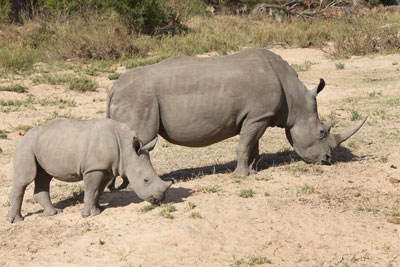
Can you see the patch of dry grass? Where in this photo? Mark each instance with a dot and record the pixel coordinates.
(105, 36)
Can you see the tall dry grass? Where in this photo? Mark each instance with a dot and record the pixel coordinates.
(105, 36)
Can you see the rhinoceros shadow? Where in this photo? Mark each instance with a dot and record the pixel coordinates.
(267, 160)
(124, 198)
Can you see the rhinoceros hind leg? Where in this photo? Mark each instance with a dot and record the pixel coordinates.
(95, 183)
(42, 193)
(25, 169)
(254, 156)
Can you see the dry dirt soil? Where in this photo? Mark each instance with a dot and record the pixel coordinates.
(346, 214)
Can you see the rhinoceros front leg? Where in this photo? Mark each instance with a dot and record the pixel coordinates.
(95, 183)
(247, 149)
(42, 193)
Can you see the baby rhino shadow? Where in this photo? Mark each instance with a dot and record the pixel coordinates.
(124, 198)
(119, 199)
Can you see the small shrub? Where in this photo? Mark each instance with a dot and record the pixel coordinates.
(384, 159)
(17, 88)
(24, 128)
(367, 208)
(167, 210)
(114, 76)
(190, 205)
(31, 200)
(53, 79)
(339, 66)
(305, 190)
(16, 59)
(5, 10)
(303, 67)
(82, 84)
(246, 193)
(258, 261)
(3, 134)
(395, 213)
(6, 204)
(374, 93)
(147, 208)
(209, 189)
(196, 215)
(166, 144)
(355, 115)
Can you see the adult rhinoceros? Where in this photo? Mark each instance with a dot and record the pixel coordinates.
(195, 102)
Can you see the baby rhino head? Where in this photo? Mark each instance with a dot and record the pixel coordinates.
(141, 175)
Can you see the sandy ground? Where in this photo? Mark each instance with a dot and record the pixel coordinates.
(346, 214)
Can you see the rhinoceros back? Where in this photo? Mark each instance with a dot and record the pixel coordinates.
(195, 101)
(66, 149)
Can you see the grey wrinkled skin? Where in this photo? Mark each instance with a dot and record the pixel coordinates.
(94, 151)
(197, 102)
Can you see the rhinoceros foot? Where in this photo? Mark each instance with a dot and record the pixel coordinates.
(96, 210)
(51, 212)
(13, 219)
(243, 171)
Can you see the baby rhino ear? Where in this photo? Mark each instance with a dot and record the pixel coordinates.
(137, 144)
(150, 146)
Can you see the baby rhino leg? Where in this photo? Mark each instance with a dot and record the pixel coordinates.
(25, 169)
(42, 193)
(95, 182)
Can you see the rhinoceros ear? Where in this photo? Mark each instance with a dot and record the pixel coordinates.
(137, 144)
(319, 88)
(150, 146)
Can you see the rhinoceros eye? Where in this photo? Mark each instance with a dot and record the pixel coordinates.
(146, 180)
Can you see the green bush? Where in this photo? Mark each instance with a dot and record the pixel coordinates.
(143, 16)
(17, 58)
(5, 10)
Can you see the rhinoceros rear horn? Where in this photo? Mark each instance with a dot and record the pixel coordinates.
(150, 145)
(319, 88)
(340, 138)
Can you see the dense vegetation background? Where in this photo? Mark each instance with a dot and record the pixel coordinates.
(138, 32)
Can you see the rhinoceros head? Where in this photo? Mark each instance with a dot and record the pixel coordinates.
(310, 138)
(141, 175)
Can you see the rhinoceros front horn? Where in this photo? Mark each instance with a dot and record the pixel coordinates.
(340, 138)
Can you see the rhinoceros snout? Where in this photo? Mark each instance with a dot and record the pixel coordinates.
(155, 202)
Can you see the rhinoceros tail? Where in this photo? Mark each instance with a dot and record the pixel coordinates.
(110, 95)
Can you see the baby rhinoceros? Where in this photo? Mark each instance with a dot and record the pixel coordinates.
(94, 151)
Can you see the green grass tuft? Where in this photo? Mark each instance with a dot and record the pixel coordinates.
(17, 88)
(148, 208)
(195, 215)
(82, 84)
(114, 76)
(305, 190)
(355, 115)
(246, 193)
(339, 66)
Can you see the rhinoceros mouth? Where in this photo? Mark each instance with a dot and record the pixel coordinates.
(155, 201)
